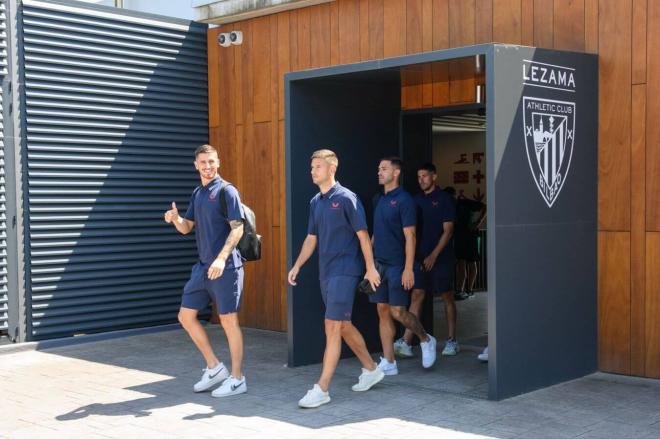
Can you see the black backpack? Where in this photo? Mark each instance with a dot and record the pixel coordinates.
(250, 244)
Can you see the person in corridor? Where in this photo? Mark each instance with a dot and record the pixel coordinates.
(395, 220)
(337, 225)
(434, 267)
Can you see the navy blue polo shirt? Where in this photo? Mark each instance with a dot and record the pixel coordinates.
(394, 211)
(334, 218)
(211, 227)
(434, 209)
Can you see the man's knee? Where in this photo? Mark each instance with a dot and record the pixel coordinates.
(333, 327)
(229, 321)
(448, 297)
(397, 312)
(186, 317)
(417, 296)
(346, 327)
(383, 310)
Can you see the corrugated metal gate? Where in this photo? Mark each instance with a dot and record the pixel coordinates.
(4, 290)
(115, 103)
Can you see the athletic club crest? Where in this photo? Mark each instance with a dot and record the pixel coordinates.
(549, 133)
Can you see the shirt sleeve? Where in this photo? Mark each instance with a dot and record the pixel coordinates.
(408, 211)
(190, 213)
(355, 214)
(234, 206)
(312, 228)
(449, 211)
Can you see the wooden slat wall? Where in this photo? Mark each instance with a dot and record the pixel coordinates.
(246, 114)
(614, 301)
(652, 305)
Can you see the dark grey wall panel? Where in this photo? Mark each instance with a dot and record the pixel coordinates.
(359, 121)
(115, 103)
(542, 243)
(542, 258)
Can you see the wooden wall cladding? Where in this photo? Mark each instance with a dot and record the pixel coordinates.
(652, 114)
(638, 230)
(614, 301)
(652, 305)
(615, 19)
(246, 114)
(455, 81)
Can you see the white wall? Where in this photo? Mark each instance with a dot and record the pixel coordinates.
(460, 155)
(168, 8)
(100, 2)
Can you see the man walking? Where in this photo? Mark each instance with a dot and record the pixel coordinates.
(395, 220)
(470, 215)
(434, 267)
(337, 223)
(218, 275)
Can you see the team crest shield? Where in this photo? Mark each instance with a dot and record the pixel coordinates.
(549, 133)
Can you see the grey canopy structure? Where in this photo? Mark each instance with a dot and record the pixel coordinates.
(541, 134)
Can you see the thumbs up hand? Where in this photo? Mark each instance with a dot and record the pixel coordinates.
(172, 214)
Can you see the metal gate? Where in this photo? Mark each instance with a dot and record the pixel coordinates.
(115, 103)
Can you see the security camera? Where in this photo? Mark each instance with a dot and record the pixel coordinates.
(224, 40)
(236, 37)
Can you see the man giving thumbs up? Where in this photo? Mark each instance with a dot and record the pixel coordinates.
(218, 275)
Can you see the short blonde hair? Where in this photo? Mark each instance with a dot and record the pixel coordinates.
(327, 155)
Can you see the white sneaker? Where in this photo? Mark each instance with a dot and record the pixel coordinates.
(484, 355)
(368, 379)
(211, 377)
(402, 349)
(231, 386)
(314, 397)
(451, 347)
(428, 351)
(387, 367)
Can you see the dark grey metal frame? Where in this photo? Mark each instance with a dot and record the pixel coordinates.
(486, 50)
(496, 391)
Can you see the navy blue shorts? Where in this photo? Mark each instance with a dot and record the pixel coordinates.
(466, 246)
(390, 289)
(436, 281)
(225, 291)
(338, 293)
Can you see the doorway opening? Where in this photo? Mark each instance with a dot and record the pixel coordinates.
(453, 140)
